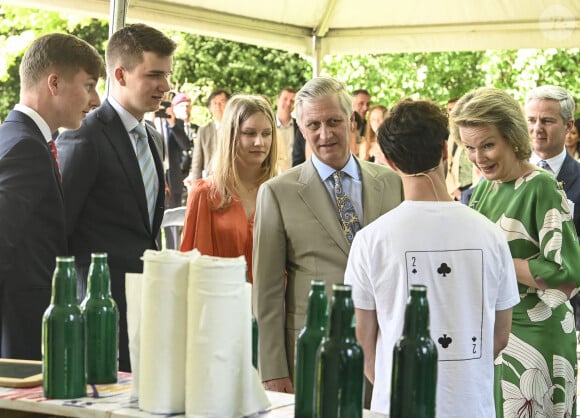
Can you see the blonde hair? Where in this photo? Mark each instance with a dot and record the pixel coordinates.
(494, 107)
(225, 176)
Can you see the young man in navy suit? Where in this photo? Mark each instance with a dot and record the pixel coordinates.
(58, 78)
(113, 204)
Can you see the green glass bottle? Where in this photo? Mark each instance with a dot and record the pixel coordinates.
(306, 347)
(339, 389)
(102, 322)
(254, 334)
(414, 374)
(63, 337)
(254, 342)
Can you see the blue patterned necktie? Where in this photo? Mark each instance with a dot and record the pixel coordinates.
(543, 164)
(147, 166)
(349, 221)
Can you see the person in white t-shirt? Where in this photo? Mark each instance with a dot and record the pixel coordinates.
(461, 257)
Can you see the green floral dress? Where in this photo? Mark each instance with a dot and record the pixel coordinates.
(535, 375)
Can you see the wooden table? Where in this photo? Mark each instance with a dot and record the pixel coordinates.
(111, 401)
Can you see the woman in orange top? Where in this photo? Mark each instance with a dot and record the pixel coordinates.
(369, 149)
(220, 209)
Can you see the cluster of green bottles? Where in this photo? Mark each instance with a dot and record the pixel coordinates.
(79, 342)
(329, 361)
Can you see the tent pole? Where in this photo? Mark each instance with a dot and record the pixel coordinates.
(118, 14)
(317, 58)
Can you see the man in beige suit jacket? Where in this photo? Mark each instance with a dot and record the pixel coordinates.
(205, 144)
(297, 234)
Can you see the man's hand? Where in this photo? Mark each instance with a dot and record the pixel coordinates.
(279, 385)
(171, 118)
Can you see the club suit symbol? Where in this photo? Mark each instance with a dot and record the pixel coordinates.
(445, 341)
(444, 269)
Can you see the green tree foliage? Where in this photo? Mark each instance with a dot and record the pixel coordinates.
(444, 75)
(19, 26)
(237, 67)
(203, 64)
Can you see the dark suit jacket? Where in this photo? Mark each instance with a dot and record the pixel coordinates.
(177, 141)
(569, 175)
(105, 204)
(32, 234)
(298, 147)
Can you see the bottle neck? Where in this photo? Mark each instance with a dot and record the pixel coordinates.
(317, 315)
(64, 283)
(99, 281)
(341, 323)
(417, 316)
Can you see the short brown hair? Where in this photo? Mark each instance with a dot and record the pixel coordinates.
(128, 44)
(60, 52)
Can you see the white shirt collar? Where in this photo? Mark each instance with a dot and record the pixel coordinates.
(280, 125)
(35, 116)
(325, 171)
(129, 121)
(554, 162)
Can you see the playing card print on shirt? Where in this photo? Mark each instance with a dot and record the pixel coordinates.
(455, 277)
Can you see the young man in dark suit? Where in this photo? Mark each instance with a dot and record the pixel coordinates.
(112, 169)
(58, 76)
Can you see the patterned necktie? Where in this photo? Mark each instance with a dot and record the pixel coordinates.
(348, 218)
(147, 166)
(543, 164)
(54, 152)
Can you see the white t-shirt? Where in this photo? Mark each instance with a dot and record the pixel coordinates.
(465, 262)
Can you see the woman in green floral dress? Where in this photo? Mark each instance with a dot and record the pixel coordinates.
(536, 372)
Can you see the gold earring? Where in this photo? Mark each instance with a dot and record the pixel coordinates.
(516, 149)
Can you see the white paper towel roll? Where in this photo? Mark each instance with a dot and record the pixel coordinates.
(163, 331)
(221, 381)
(133, 296)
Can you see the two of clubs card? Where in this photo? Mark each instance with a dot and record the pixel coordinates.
(454, 281)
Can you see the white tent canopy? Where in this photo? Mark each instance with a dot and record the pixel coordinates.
(329, 27)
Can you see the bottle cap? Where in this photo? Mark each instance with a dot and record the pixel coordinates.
(418, 289)
(65, 259)
(341, 288)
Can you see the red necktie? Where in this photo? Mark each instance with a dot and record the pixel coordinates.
(52, 148)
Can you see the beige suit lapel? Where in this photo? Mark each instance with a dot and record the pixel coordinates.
(318, 201)
(372, 191)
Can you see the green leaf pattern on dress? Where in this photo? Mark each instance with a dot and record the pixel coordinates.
(533, 398)
(536, 372)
